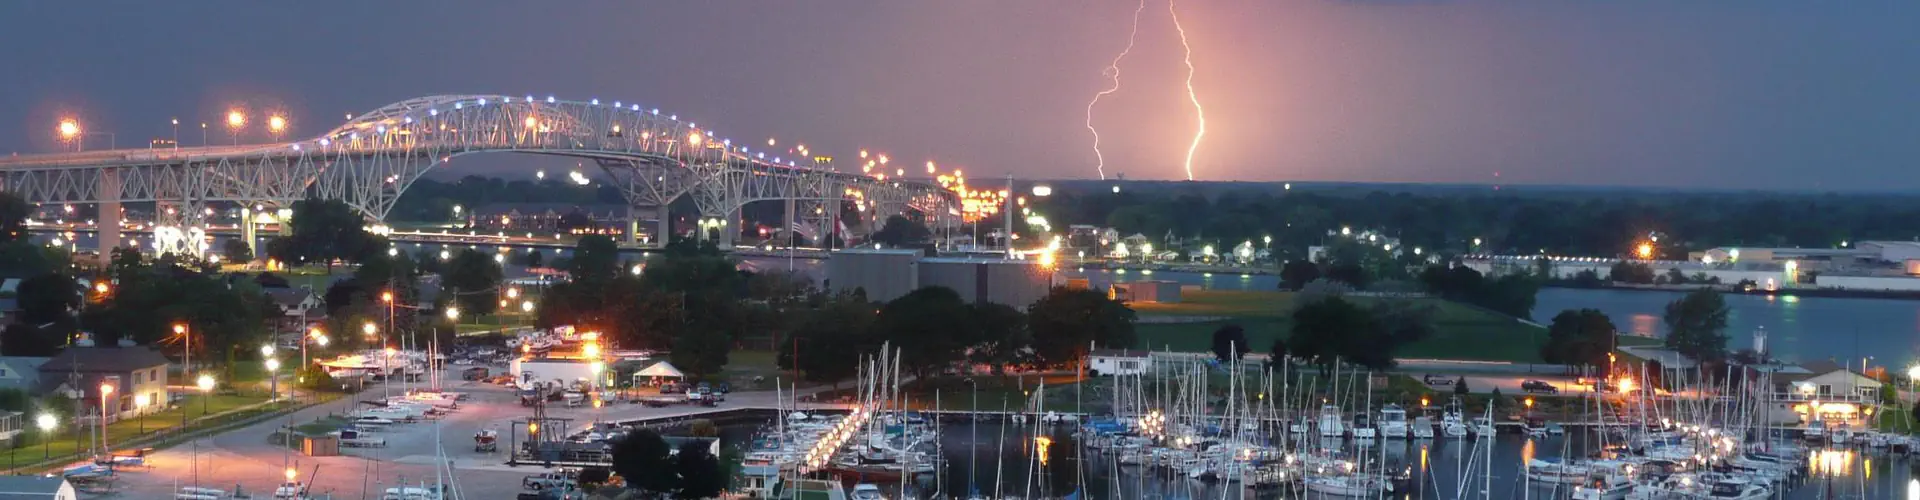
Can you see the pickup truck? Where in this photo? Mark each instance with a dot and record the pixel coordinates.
(549, 480)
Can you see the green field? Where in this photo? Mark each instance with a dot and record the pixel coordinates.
(1461, 332)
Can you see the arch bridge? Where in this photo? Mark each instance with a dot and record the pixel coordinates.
(370, 160)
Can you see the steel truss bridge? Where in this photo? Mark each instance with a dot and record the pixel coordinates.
(369, 161)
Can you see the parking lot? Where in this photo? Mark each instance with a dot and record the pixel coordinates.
(245, 458)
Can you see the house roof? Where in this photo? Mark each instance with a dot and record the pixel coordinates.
(289, 297)
(30, 486)
(104, 359)
(24, 363)
(1814, 369)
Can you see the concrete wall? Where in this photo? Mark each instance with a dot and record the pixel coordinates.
(884, 274)
(1897, 283)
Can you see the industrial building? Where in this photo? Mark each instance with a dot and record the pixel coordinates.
(1151, 291)
(884, 275)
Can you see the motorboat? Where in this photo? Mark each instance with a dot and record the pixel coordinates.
(1330, 424)
(1422, 428)
(1734, 488)
(1298, 426)
(1363, 428)
(867, 491)
(1840, 436)
(1393, 422)
(1815, 431)
(1483, 427)
(1604, 487)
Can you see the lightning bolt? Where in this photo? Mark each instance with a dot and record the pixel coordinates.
(1112, 71)
(1198, 112)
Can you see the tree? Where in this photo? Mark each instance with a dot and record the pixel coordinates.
(1278, 351)
(1460, 387)
(236, 251)
(14, 211)
(1696, 325)
(1581, 337)
(596, 259)
(1324, 330)
(47, 298)
(829, 340)
(473, 280)
(900, 231)
(1003, 338)
(644, 460)
(1350, 273)
(1230, 342)
(931, 326)
(1586, 278)
(700, 473)
(327, 230)
(1067, 320)
(1630, 272)
(533, 259)
(1296, 274)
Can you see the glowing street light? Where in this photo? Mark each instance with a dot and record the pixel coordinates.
(206, 388)
(69, 129)
(276, 124)
(46, 422)
(1645, 250)
(526, 306)
(368, 328)
(453, 313)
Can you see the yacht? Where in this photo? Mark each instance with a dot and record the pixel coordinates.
(1840, 436)
(867, 491)
(1422, 428)
(1393, 422)
(1298, 426)
(1548, 470)
(1362, 428)
(1330, 424)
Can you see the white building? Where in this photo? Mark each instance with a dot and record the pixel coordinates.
(1118, 362)
(1825, 390)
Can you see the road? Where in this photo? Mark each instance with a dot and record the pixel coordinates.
(245, 458)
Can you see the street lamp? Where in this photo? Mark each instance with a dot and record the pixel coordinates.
(526, 306)
(206, 393)
(106, 391)
(140, 402)
(369, 329)
(235, 120)
(453, 313)
(46, 421)
(273, 378)
(276, 124)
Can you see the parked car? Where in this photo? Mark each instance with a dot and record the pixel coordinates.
(1431, 379)
(1540, 386)
(549, 480)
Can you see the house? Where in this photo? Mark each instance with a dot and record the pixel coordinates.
(21, 372)
(36, 488)
(1118, 362)
(1822, 390)
(298, 307)
(138, 376)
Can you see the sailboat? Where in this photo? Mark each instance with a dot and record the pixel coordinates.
(1451, 420)
(1422, 427)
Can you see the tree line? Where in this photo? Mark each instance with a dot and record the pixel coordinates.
(1561, 222)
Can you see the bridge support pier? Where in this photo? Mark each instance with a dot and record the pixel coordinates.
(790, 217)
(108, 221)
(249, 229)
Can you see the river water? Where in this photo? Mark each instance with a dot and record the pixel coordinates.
(995, 462)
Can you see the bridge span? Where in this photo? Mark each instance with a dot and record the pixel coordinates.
(370, 160)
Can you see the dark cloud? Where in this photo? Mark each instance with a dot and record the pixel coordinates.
(1763, 93)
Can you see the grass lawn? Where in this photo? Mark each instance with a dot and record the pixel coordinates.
(194, 406)
(1461, 332)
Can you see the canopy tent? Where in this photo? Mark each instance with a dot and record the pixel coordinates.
(661, 369)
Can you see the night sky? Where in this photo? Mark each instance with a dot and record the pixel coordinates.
(1731, 94)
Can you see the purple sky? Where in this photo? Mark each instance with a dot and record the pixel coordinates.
(1757, 93)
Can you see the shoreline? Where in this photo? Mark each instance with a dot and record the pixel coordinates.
(1838, 293)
